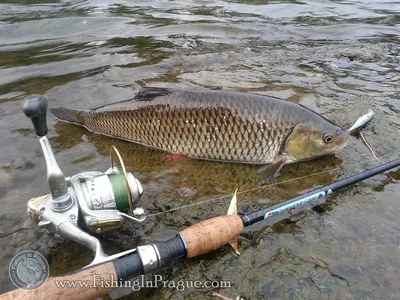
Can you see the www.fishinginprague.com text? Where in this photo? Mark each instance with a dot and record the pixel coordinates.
(142, 282)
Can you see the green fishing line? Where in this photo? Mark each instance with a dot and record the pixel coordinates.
(120, 190)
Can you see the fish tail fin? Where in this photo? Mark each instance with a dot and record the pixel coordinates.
(68, 115)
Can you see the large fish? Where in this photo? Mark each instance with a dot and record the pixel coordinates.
(215, 125)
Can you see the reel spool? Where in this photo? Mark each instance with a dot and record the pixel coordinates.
(103, 197)
(114, 189)
(123, 183)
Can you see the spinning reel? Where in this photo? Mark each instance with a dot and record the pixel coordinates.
(88, 202)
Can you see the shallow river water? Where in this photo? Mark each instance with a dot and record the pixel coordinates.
(340, 58)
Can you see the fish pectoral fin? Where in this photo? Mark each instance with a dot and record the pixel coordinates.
(150, 93)
(269, 172)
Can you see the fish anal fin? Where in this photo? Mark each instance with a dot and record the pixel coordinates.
(271, 171)
(150, 93)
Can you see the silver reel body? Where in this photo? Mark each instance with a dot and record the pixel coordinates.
(93, 209)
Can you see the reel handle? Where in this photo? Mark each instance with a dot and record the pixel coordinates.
(35, 108)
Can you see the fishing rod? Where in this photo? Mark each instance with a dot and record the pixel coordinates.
(200, 238)
(91, 200)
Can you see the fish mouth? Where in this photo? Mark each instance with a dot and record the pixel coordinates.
(342, 140)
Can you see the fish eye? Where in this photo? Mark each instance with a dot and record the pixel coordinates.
(328, 138)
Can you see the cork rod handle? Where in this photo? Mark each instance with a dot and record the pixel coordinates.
(211, 234)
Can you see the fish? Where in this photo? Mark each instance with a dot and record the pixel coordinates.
(215, 125)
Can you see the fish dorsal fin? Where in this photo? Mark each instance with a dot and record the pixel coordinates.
(150, 93)
(145, 94)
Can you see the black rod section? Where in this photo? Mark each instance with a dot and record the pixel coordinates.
(279, 208)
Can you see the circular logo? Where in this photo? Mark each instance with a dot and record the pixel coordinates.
(29, 270)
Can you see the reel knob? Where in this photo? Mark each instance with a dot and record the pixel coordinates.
(135, 187)
(35, 108)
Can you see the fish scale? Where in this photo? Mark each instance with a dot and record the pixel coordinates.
(213, 125)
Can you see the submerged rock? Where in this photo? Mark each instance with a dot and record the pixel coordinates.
(187, 191)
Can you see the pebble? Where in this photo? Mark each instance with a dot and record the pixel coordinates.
(187, 191)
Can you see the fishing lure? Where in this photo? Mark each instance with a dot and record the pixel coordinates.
(362, 121)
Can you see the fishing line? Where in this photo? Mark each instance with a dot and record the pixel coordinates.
(120, 189)
(257, 188)
(3, 235)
